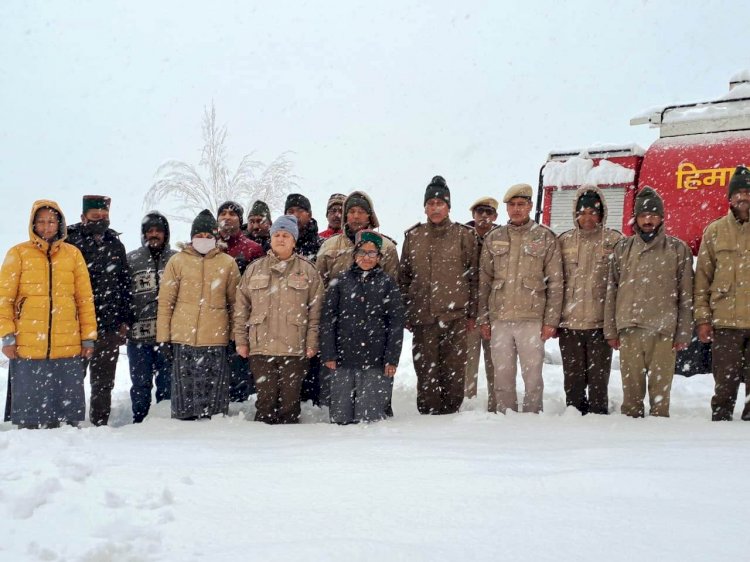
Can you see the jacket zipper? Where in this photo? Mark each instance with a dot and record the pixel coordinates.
(200, 308)
(49, 322)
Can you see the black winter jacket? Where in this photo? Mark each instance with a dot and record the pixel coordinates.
(110, 277)
(308, 242)
(363, 320)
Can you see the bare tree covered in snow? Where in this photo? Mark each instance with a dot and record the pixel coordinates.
(194, 191)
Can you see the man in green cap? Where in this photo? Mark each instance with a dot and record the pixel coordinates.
(722, 297)
(648, 308)
(259, 225)
(110, 280)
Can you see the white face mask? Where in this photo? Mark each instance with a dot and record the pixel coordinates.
(204, 245)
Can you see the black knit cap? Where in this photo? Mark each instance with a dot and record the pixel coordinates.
(589, 200)
(232, 206)
(357, 200)
(740, 180)
(154, 219)
(260, 209)
(648, 201)
(204, 222)
(438, 189)
(297, 200)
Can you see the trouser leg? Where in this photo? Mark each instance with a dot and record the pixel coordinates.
(598, 367)
(342, 396)
(452, 366)
(573, 349)
(102, 368)
(292, 373)
(504, 357)
(473, 349)
(633, 371)
(490, 373)
(267, 384)
(372, 388)
(141, 361)
(239, 384)
(727, 367)
(528, 336)
(425, 351)
(163, 368)
(661, 360)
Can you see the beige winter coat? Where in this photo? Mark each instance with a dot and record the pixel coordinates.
(586, 256)
(336, 256)
(438, 272)
(196, 297)
(278, 307)
(520, 275)
(650, 286)
(722, 275)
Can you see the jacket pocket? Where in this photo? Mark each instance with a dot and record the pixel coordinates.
(499, 250)
(19, 307)
(496, 296)
(257, 330)
(534, 294)
(296, 333)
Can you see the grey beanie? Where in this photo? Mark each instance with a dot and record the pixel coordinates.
(287, 223)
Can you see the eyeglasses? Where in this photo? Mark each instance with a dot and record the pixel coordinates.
(485, 211)
(367, 254)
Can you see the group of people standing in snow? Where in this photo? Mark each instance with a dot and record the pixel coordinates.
(278, 308)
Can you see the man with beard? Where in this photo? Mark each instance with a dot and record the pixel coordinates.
(334, 212)
(308, 242)
(722, 299)
(147, 359)
(484, 214)
(336, 255)
(259, 225)
(648, 310)
(110, 280)
(244, 251)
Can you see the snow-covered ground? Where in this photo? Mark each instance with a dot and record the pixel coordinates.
(472, 486)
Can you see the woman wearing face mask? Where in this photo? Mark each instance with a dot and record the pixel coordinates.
(47, 323)
(361, 335)
(196, 297)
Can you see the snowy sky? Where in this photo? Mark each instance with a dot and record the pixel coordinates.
(369, 95)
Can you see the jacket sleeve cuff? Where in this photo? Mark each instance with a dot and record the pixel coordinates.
(10, 339)
(87, 343)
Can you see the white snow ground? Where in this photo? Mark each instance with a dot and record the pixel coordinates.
(472, 486)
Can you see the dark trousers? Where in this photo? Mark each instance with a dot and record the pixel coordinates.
(102, 367)
(241, 383)
(358, 395)
(731, 357)
(278, 381)
(310, 389)
(587, 360)
(439, 352)
(146, 364)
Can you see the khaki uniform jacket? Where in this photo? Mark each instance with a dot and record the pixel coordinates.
(196, 297)
(586, 256)
(520, 275)
(650, 286)
(336, 256)
(438, 273)
(279, 306)
(722, 275)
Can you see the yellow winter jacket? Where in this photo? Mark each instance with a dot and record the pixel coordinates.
(45, 295)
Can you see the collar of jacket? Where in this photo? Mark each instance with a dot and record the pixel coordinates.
(521, 228)
(193, 252)
(361, 273)
(736, 221)
(439, 229)
(660, 237)
(280, 265)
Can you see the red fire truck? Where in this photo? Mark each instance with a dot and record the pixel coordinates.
(699, 146)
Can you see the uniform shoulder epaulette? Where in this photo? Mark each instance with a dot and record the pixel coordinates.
(466, 226)
(548, 229)
(389, 238)
(564, 233)
(717, 219)
(308, 260)
(412, 227)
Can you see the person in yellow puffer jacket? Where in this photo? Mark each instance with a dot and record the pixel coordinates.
(47, 323)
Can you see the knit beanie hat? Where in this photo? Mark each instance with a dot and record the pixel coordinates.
(740, 180)
(648, 201)
(204, 222)
(589, 200)
(287, 223)
(297, 200)
(95, 202)
(366, 235)
(154, 219)
(260, 209)
(232, 206)
(357, 199)
(335, 199)
(438, 189)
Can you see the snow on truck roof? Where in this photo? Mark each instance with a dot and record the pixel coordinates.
(728, 112)
(580, 170)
